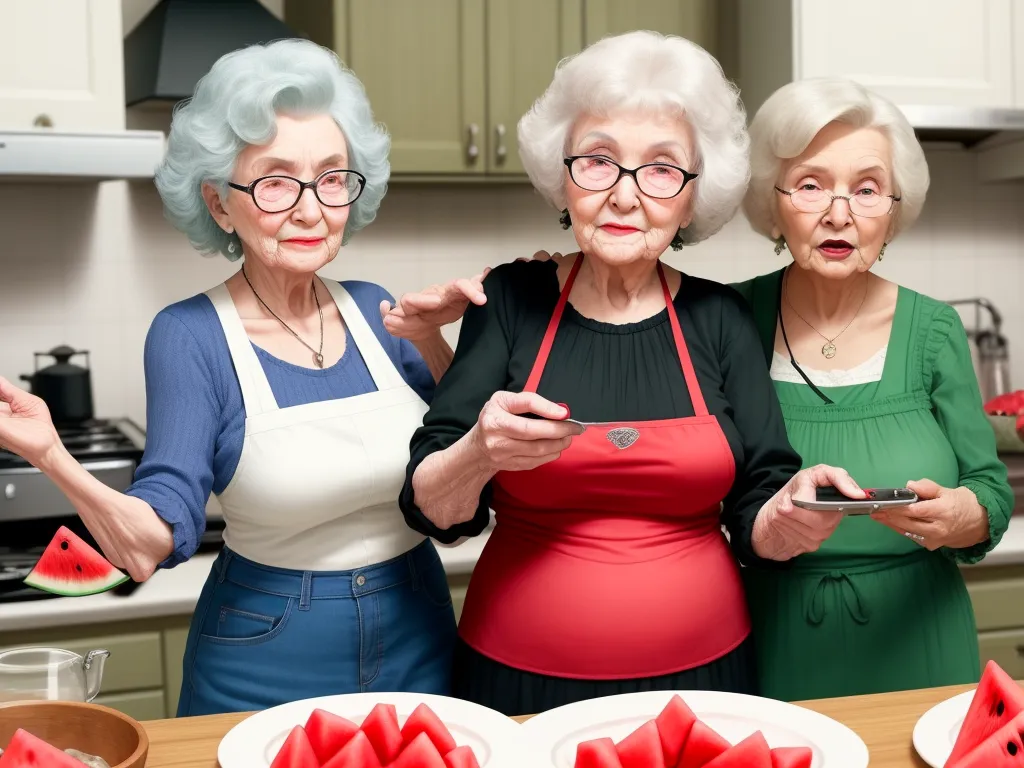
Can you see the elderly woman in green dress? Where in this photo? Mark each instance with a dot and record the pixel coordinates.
(877, 379)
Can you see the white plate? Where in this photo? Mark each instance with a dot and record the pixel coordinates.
(497, 740)
(936, 730)
(734, 716)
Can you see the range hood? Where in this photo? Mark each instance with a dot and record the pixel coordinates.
(43, 155)
(179, 40)
(969, 126)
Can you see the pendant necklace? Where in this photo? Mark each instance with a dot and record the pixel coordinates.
(828, 349)
(318, 357)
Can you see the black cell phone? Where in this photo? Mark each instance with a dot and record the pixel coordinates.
(830, 499)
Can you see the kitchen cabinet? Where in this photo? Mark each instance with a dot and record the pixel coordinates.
(997, 593)
(695, 20)
(915, 52)
(61, 65)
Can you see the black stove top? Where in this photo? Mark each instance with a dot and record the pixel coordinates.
(93, 440)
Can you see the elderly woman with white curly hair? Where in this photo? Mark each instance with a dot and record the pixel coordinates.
(877, 379)
(285, 395)
(615, 412)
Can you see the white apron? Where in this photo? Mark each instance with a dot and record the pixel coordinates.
(317, 485)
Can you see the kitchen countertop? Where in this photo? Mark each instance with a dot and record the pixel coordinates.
(174, 592)
(883, 721)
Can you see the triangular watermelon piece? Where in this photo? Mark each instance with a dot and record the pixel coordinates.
(70, 567)
(997, 700)
(28, 751)
(461, 757)
(703, 746)
(421, 753)
(381, 727)
(597, 753)
(674, 724)
(752, 752)
(642, 748)
(358, 753)
(296, 752)
(792, 757)
(328, 733)
(1003, 749)
(423, 720)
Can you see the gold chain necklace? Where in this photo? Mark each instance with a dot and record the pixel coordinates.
(318, 357)
(828, 349)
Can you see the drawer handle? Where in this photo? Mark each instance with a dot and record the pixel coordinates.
(473, 151)
(43, 121)
(1020, 650)
(501, 151)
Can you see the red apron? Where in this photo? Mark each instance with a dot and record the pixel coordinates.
(610, 562)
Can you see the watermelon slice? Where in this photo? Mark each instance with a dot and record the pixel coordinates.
(642, 748)
(752, 752)
(70, 567)
(423, 720)
(792, 757)
(358, 753)
(996, 701)
(28, 751)
(597, 753)
(421, 753)
(328, 733)
(461, 757)
(296, 752)
(674, 725)
(703, 746)
(381, 727)
(1007, 404)
(1003, 749)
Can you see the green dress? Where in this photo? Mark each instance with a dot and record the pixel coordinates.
(871, 610)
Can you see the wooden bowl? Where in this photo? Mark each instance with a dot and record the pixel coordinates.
(90, 728)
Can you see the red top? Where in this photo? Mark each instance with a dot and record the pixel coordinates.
(610, 562)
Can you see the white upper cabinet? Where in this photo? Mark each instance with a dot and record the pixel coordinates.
(1018, 50)
(61, 65)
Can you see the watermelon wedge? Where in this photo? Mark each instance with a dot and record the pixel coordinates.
(674, 725)
(1003, 749)
(421, 753)
(461, 757)
(328, 733)
(381, 727)
(423, 720)
(703, 746)
(792, 757)
(28, 751)
(597, 753)
(70, 567)
(296, 752)
(752, 752)
(996, 701)
(358, 753)
(642, 748)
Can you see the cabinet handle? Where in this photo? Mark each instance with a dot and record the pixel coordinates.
(1020, 651)
(43, 121)
(500, 151)
(473, 151)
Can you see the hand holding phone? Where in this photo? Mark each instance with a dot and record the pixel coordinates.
(829, 499)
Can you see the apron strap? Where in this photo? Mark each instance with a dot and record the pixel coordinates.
(385, 374)
(257, 395)
(689, 374)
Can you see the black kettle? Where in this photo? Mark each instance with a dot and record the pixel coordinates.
(66, 388)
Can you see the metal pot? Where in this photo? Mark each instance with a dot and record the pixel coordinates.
(66, 388)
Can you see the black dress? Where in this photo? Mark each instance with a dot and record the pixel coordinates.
(610, 372)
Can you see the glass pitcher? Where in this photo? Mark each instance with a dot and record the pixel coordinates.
(50, 674)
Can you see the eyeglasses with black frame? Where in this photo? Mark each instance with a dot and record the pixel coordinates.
(335, 188)
(817, 200)
(596, 173)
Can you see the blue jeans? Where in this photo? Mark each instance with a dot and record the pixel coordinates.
(264, 636)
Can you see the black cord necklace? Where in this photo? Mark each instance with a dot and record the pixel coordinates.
(318, 357)
(782, 327)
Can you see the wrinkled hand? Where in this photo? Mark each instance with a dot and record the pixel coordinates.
(25, 424)
(782, 530)
(945, 517)
(508, 441)
(418, 316)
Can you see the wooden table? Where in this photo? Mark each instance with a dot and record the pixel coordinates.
(884, 721)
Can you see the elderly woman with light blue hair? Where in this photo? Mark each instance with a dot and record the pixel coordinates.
(286, 396)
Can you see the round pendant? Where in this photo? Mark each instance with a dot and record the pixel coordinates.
(319, 360)
(829, 350)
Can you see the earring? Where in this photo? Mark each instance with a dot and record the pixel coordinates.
(564, 219)
(780, 245)
(881, 253)
(677, 241)
(231, 247)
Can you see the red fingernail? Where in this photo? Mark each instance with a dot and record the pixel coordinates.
(563, 405)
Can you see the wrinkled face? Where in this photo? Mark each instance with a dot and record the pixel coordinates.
(624, 224)
(307, 236)
(842, 160)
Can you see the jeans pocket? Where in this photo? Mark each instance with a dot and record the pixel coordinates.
(238, 626)
(434, 581)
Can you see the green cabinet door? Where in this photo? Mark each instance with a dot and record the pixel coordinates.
(693, 19)
(423, 65)
(525, 41)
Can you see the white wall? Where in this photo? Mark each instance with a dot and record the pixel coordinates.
(91, 266)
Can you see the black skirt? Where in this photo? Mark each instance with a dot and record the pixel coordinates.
(513, 692)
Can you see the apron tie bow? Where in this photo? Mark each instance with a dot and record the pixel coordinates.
(852, 598)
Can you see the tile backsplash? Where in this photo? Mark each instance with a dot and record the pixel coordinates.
(90, 266)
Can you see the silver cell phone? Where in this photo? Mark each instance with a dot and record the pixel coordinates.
(831, 500)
